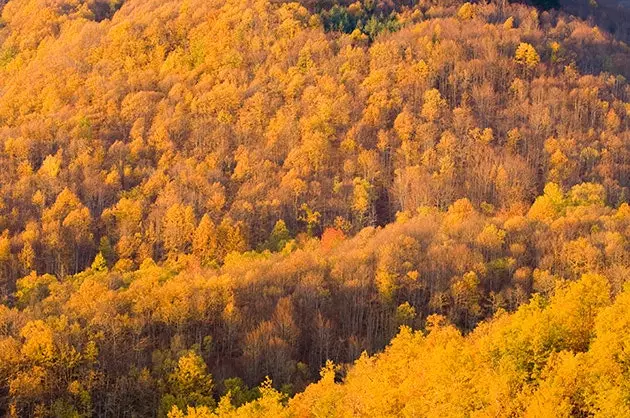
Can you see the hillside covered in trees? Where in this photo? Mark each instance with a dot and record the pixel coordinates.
(199, 196)
(562, 357)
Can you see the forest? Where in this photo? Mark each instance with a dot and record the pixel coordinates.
(319, 208)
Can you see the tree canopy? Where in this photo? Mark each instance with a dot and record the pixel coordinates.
(215, 207)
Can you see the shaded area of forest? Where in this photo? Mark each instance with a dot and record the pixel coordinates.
(611, 15)
(114, 341)
(562, 356)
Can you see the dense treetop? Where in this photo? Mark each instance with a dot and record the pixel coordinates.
(197, 194)
(120, 133)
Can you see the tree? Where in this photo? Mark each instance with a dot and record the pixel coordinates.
(362, 200)
(331, 237)
(99, 263)
(310, 217)
(466, 11)
(526, 55)
(178, 228)
(491, 238)
(204, 243)
(66, 227)
(279, 236)
(548, 206)
(230, 238)
(434, 105)
(189, 385)
(467, 297)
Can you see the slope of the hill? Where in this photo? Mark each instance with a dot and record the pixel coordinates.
(198, 194)
(565, 357)
(112, 342)
(123, 135)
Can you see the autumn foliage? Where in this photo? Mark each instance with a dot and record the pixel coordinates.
(216, 207)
